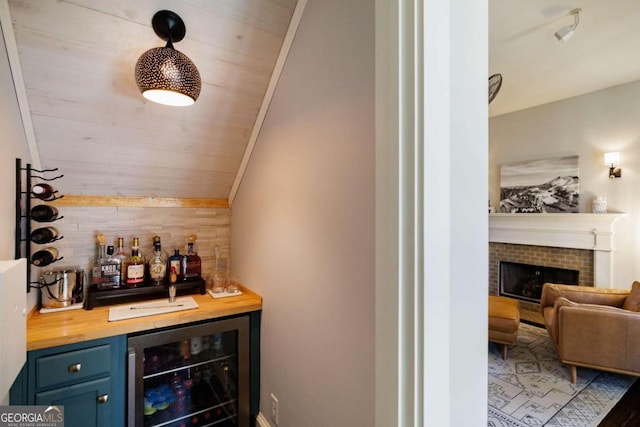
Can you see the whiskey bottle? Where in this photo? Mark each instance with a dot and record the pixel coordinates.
(157, 264)
(122, 257)
(135, 266)
(44, 257)
(191, 265)
(44, 235)
(109, 270)
(175, 263)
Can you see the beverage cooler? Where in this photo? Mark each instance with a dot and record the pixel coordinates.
(190, 376)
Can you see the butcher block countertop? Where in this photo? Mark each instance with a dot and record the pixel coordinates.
(72, 326)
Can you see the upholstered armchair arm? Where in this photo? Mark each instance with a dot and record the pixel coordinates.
(598, 336)
(581, 294)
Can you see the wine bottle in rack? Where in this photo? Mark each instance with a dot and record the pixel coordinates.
(44, 213)
(43, 192)
(44, 257)
(44, 235)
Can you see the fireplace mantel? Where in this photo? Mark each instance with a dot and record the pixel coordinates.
(577, 231)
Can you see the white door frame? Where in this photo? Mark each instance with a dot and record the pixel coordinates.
(431, 222)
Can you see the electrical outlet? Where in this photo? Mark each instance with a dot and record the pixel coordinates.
(275, 413)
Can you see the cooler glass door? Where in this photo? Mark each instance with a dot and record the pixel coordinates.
(190, 376)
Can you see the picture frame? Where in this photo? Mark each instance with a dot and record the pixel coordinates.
(540, 186)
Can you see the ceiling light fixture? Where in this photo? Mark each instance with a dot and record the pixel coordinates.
(163, 74)
(565, 33)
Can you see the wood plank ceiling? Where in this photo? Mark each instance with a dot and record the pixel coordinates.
(77, 58)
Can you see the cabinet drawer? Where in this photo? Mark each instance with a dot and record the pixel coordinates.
(72, 366)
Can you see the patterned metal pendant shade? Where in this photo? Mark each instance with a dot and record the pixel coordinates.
(163, 74)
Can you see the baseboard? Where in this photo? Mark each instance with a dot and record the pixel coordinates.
(262, 421)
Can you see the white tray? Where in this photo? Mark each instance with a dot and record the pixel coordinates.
(223, 294)
(150, 308)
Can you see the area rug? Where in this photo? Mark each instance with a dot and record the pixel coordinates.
(532, 387)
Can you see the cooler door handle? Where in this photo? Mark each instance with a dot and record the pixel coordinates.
(131, 388)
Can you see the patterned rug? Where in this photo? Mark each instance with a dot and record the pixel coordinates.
(532, 387)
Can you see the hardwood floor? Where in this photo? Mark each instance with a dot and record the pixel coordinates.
(626, 413)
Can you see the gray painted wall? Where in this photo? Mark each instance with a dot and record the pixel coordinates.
(308, 248)
(587, 126)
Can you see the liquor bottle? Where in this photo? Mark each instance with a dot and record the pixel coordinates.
(135, 266)
(44, 213)
(122, 257)
(191, 264)
(44, 257)
(43, 192)
(175, 263)
(110, 270)
(96, 276)
(44, 235)
(157, 264)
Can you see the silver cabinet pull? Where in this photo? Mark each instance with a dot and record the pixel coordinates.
(103, 399)
(74, 368)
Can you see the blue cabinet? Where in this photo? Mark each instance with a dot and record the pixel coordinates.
(87, 378)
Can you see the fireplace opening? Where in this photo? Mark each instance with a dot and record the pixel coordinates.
(525, 281)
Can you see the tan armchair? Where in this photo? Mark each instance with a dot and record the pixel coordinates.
(594, 327)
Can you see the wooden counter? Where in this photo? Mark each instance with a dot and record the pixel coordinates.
(72, 326)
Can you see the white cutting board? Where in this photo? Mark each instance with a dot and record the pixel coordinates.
(150, 308)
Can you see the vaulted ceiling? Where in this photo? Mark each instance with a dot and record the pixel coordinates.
(77, 59)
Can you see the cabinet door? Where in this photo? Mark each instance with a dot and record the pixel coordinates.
(85, 404)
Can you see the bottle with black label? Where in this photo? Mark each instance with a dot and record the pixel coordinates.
(109, 270)
(44, 257)
(175, 263)
(191, 264)
(44, 235)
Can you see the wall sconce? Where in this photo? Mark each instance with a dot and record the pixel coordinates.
(163, 74)
(612, 160)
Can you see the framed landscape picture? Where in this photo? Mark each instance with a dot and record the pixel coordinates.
(549, 185)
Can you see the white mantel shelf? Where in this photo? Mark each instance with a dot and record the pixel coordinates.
(576, 231)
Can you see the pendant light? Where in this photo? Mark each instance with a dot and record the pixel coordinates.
(163, 74)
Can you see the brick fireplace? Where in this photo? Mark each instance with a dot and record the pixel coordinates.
(566, 258)
(582, 242)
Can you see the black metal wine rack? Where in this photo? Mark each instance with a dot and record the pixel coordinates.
(23, 213)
